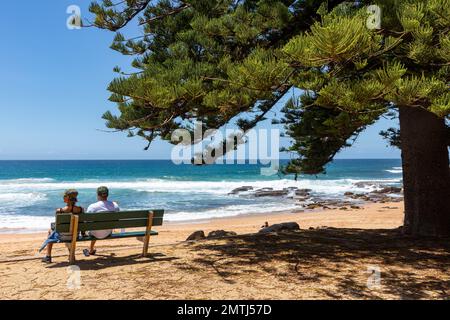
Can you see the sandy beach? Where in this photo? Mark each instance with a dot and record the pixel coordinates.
(330, 261)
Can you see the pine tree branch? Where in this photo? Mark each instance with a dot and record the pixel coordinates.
(129, 17)
(166, 14)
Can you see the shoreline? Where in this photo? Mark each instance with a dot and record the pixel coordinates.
(15, 231)
(349, 201)
(191, 198)
(252, 222)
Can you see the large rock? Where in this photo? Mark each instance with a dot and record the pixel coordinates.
(272, 193)
(302, 192)
(197, 235)
(241, 189)
(300, 199)
(313, 205)
(220, 234)
(264, 189)
(363, 184)
(286, 226)
(388, 190)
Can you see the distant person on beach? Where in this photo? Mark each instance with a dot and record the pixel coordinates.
(102, 205)
(70, 198)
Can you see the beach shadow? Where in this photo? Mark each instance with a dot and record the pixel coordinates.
(336, 256)
(103, 261)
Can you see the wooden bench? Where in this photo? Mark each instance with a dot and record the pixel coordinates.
(75, 223)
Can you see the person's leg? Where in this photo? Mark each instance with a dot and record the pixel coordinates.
(92, 247)
(49, 249)
(48, 257)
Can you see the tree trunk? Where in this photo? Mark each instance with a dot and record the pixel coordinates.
(426, 174)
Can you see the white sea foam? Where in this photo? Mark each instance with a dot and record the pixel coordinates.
(172, 186)
(229, 211)
(24, 223)
(20, 199)
(395, 170)
(26, 180)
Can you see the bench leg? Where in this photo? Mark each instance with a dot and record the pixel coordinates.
(73, 245)
(147, 233)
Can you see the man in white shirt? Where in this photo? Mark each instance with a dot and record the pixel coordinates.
(102, 205)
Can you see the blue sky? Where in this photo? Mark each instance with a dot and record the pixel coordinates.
(53, 91)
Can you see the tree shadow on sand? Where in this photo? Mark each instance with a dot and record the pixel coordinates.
(338, 259)
(103, 261)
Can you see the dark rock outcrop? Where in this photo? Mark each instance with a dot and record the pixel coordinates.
(264, 189)
(302, 192)
(388, 190)
(197, 235)
(220, 234)
(272, 193)
(286, 226)
(363, 184)
(241, 189)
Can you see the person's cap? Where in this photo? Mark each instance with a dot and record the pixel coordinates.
(72, 194)
(102, 191)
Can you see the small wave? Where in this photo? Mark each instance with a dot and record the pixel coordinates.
(395, 170)
(26, 224)
(23, 223)
(18, 200)
(194, 187)
(228, 211)
(26, 180)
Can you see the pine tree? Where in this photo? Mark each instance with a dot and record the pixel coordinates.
(354, 75)
(213, 60)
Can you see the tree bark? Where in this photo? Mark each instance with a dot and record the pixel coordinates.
(426, 174)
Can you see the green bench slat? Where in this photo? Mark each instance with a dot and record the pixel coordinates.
(116, 236)
(109, 216)
(109, 220)
(86, 226)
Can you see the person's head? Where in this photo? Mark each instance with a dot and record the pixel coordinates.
(70, 197)
(102, 193)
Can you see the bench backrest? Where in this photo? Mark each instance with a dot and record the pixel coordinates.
(109, 220)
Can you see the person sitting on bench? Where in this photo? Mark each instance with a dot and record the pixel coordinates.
(70, 198)
(102, 205)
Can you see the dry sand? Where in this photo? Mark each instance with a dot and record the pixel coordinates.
(324, 263)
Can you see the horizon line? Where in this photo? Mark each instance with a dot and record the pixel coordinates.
(165, 159)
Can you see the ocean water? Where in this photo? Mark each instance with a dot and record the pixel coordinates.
(30, 191)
